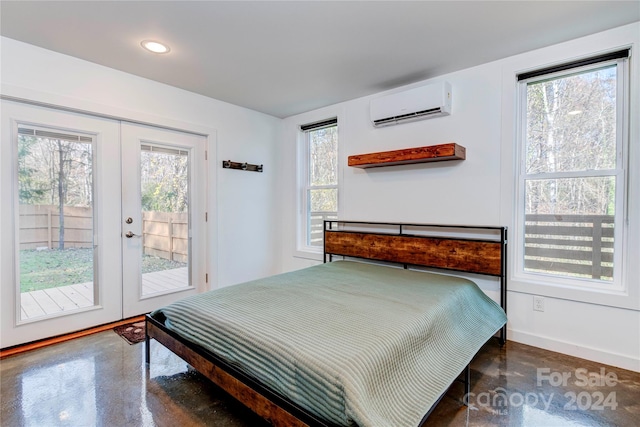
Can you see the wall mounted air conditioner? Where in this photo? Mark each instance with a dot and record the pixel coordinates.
(414, 104)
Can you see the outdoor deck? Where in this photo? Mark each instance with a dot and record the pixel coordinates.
(55, 300)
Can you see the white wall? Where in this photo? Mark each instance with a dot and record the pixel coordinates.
(479, 191)
(247, 214)
(256, 213)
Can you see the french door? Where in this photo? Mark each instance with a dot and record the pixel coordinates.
(100, 220)
(163, 216)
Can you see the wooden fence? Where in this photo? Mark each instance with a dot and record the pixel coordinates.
(316, 226)
(571, 245)
(40, 227)
(164, 235)
(574, 245)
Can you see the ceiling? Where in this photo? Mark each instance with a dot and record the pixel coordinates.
(288, 57)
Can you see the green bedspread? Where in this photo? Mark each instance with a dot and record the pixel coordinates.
(353, 343)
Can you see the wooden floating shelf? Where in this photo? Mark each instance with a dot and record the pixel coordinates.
(432, 153)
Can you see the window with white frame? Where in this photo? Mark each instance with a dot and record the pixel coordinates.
(572, 171)
(319, 181)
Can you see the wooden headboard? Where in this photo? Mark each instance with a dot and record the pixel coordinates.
(424, 245)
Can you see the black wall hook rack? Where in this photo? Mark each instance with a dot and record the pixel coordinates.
(228, 164)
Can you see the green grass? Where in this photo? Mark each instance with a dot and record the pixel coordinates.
(53, 268)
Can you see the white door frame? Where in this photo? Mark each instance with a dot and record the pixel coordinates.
(107, 199)
(22, 98)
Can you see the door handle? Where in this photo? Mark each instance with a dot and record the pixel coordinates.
(130, 234)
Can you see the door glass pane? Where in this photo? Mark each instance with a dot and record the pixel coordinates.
(55, 222)
(164, 180)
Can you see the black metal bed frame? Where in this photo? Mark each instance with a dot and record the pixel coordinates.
(283, 402)
(328, 226)
(253, 383)
(465, 376)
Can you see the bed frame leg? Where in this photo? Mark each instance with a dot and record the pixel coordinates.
(467, 380)
(147, 349)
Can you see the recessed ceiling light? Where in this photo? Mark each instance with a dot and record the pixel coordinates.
(154, 46)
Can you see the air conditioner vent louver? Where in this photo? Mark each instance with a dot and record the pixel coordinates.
(411, 105)
(407, 117)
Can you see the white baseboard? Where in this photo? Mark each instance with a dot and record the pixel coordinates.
(593, 354)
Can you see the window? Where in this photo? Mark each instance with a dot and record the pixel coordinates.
(56, 221)
(572, 172)
(320, 181)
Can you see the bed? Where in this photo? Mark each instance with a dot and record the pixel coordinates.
(344, 342)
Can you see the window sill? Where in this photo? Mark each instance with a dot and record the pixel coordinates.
(308, 254)
(599, 296)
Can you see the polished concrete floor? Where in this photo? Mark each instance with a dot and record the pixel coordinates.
(100, 380)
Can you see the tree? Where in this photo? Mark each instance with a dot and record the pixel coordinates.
(571, 126)
(61, 188)
(323, 165)
(164, 181)
(31, 188)
(56, 171)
